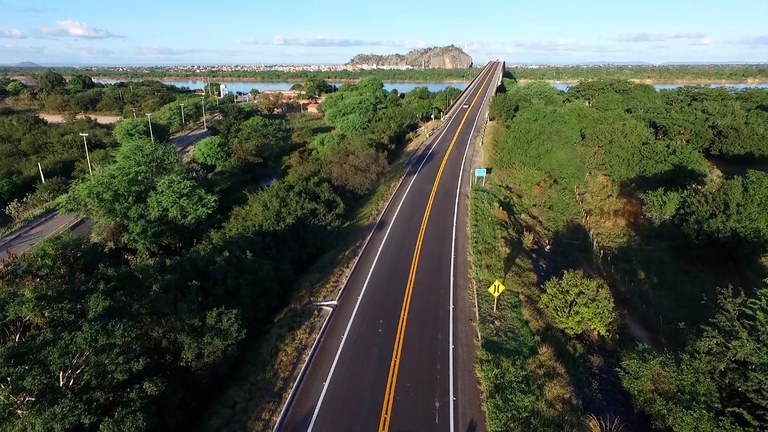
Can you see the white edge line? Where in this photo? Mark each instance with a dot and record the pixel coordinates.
(365, 284)
(453, 269)
(373, 266)
(297, 382)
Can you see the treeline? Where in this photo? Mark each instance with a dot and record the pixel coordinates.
(26, 140)
(660, 73)
(620, 228)
(415, 75)
(134, 330)
(53, 93)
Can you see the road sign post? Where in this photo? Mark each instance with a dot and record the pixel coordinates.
(481, 173)
(496, 289)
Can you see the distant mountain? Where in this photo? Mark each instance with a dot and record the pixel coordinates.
(447, 57)
(27, 65)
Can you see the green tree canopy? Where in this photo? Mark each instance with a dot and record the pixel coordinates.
(142, 200)
(50, 81)
(719, 382)
(212, 151)
(578, 304)
(259, 139)
(733, 212)
(129, 129)
(14, 88)
(80, 82)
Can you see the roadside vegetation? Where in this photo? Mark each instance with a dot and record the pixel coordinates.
(190, 264)
(415, 75)
(52, 92)
(26, 140)
(650, 73)
(635, 267)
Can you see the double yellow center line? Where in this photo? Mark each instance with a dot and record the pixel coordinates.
(394, 366)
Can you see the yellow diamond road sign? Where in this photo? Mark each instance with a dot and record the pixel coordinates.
(496, 289)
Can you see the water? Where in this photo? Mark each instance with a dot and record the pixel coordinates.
(245, 87)
(565, 87)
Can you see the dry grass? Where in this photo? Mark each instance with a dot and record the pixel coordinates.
(608, 214)
(608, 424)
(558, 396)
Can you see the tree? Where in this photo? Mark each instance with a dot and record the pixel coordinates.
(80, 82)
(661, 206)
(315, 87)
(717, 383)
(212, 151)
(268, 102)
(733, 212)
(259, 139)
(50, 81)
(179, 201)
(129, 129)
(14, 88)
(354, 168)
(73, 352)
(678, 393)
(142, 201)
(735, 345)
(8, 189)
(578, 304)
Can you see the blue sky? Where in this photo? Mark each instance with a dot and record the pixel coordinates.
(332, 31)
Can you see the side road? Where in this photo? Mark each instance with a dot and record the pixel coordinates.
(52, 223)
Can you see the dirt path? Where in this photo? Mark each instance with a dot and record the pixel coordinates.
(59, 118)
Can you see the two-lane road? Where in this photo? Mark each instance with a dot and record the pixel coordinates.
(394, 356)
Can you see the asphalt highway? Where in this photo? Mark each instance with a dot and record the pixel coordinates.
(398, 351)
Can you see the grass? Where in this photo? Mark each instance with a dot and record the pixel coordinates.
(525, 385)
(269, 366)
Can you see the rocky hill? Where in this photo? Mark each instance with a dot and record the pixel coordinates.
(447, 57)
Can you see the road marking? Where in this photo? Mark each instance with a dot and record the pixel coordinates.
(313, 349)
(453, 271)
(365, 284)
(394, 367)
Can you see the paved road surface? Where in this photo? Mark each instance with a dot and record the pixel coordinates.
(24, 238)
(385, 361)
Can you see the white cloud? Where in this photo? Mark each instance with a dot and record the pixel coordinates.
(76, 29)
(703, 41)
(660, 37)
(11, 34)
(753, 40)
(545, 45)
(322, 41)
(164, 52)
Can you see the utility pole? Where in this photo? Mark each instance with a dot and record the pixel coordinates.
(151, 135)
(205, 125)
(182, 116)
(42, 177)
(87, 156)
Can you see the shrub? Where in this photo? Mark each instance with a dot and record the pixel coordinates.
(577, 304)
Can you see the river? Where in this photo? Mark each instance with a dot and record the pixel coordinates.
(245, 86)
(566, 86)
